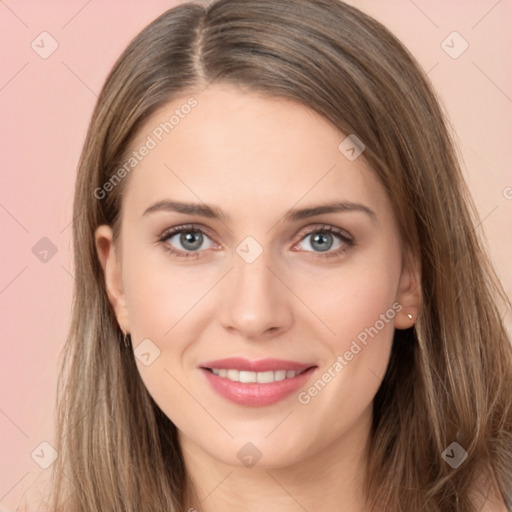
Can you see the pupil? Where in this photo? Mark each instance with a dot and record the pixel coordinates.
(323, 239)
(191, 240)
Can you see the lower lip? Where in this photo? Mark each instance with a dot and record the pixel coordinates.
(253, 394)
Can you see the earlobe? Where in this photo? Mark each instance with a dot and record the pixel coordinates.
(409, 295)
(109, 261)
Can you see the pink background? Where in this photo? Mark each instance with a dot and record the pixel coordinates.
(46, 105)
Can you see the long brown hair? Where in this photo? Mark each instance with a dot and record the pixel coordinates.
(449, 379)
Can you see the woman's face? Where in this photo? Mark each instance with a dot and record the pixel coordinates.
(259, 272)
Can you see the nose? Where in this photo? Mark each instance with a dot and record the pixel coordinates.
(255, 301)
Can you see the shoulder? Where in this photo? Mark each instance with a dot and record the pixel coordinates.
(494, 506)
(486, 494)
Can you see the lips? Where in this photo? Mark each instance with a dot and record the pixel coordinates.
(263, 365)
(256, 383)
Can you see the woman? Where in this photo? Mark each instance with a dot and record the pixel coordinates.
(281, 302)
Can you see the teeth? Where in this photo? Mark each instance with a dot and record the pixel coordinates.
(247, 376)
(233, 375)
(280, 374)
(260, 377)
(264, 377)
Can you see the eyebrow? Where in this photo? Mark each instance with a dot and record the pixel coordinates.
(213, 212)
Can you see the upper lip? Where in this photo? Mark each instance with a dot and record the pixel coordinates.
(261, 365)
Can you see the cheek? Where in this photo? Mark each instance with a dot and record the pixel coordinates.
(357, 297)
(359, 304)
(166, 305)
(163, 305)
(161, 294)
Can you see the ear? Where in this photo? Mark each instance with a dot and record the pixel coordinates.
(409, 293)
(112, 271)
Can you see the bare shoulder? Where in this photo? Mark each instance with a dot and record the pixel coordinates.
(493, 506)
(486, 494)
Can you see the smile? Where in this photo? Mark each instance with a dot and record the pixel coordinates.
(256, 383)
(260, 377)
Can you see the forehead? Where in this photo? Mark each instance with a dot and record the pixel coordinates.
(244, 150)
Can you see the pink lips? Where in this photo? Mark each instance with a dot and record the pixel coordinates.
(263, 365)
(256, 394)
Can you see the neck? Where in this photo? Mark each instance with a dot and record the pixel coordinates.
(331, 478)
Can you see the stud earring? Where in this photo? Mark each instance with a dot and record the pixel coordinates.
(410, 318)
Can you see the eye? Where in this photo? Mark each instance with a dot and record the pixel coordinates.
(322, 239)
(190, 237)
(188, 241)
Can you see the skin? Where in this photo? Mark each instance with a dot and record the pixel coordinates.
(255, 158)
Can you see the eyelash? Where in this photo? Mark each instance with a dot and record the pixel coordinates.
(348, 242)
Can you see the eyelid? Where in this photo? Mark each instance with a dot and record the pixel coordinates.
(326, 228)
(206, 230)
(306, 231)
(346, 239)
(183, 227)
